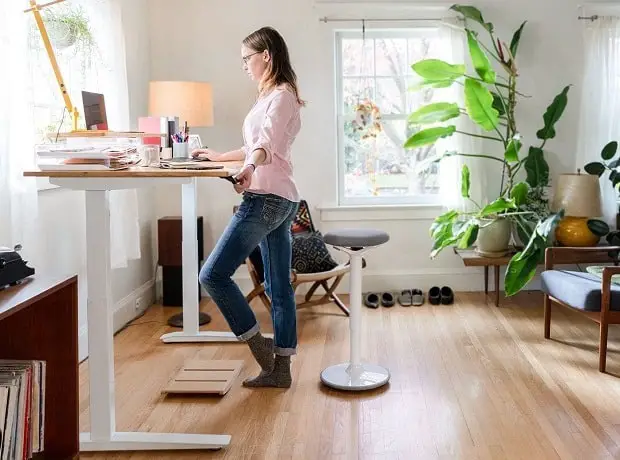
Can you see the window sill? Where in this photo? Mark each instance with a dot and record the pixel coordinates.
(342, 213)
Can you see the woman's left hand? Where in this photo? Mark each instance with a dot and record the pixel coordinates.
(244, 178)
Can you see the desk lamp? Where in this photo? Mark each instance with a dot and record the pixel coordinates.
(190, 101)
(580, 197)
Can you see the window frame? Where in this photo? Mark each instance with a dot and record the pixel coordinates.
(341, 118)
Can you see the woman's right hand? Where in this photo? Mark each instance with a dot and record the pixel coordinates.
(209, 154)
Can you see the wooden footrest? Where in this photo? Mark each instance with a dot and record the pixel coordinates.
(205, 377)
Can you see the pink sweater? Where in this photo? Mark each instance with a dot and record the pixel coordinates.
(272, 125)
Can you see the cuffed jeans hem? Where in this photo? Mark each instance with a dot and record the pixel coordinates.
(250, 333)
(285, 351)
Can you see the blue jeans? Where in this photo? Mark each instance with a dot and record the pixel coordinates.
(265, 221)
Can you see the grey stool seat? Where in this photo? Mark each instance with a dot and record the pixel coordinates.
(356, 237)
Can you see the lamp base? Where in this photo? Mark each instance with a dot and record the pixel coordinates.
(574, 232)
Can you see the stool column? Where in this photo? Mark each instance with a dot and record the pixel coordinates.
(355, 301)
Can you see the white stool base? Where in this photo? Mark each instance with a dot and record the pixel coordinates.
(362, 377)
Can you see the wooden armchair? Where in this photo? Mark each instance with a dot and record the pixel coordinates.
(327, 280)
(596, 298)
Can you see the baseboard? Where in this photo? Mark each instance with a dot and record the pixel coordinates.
(459, 279)
(125, 311)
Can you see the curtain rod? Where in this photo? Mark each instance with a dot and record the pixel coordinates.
(326, 19)
(594, 17)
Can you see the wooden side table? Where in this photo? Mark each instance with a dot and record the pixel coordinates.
(472, 259)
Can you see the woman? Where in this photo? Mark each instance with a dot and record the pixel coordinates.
(270, 201)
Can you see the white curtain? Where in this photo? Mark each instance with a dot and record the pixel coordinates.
(599, 120)
(18, 195)
(107, 26)
(454, 51)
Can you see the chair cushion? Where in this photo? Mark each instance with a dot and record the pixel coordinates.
(356, 237)
(310, 255)
(578, 289)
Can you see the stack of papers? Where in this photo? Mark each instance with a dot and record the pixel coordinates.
(58, 157)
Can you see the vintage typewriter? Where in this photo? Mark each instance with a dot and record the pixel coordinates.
(13, 268)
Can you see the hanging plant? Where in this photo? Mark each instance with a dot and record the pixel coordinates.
(367, 119)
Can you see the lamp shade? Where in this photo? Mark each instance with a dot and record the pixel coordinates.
(191, 101)
(578, 194)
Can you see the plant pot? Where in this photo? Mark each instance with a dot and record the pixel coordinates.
(494, 237)
(61, 34)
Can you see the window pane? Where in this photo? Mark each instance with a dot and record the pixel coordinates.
(354, 90)
(391, 55)
(382, 167)
(357, 60)
(392, 94)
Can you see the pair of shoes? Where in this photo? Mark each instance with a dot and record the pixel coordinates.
(409, 297)
(371, 300)
(444, 295)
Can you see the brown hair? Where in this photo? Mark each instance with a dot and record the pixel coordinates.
(279, 71)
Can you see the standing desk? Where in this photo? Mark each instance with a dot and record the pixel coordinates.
(97, 184)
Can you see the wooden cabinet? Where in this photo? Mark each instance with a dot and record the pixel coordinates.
(39, 320)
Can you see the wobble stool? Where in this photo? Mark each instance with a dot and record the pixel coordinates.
(355, 375)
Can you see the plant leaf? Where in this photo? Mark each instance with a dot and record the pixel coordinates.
(497, 206)
(465, 182)
(430, 83)
(436, 70)
(546, 228)
(553, 114)
(519, 193)
(609, 150)
(498, 104)
(537, 168)
(469, 234)
(511, 155)
(598, 227)
(521, 269)
(479, 59)
(471, 12)
(429, 136)
(595, 168)
(516, 38)
(479, 105)
(433, 113)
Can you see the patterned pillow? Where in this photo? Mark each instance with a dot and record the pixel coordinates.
(302, 222)
(310, 255)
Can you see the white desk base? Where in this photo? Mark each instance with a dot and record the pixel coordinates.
(103, 435)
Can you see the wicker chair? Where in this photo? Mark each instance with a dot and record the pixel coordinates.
(328, 280)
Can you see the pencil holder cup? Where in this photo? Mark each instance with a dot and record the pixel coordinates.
(180, 150)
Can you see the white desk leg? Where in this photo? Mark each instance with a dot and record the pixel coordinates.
(103, 435)
(190, 332)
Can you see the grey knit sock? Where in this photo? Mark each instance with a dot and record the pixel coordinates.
(280, 377)
(262, 350)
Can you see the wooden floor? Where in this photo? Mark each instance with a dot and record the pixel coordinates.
(469, 381)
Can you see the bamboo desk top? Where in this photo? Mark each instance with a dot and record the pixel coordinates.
(229, 168)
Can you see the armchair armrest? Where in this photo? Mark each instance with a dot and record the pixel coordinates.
(576, 255)
(608, 272)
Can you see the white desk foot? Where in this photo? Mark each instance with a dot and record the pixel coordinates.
(137, 441)
(355, 378)
(202, 336)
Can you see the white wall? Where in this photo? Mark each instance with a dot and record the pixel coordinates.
(62, 212)
(207, 48)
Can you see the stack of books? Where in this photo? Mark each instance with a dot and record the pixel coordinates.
(79, 157)
(22, 408)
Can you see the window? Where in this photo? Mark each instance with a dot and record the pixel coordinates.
(377, 66)
(69, 26)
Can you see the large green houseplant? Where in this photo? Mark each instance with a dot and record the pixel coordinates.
(491, 97)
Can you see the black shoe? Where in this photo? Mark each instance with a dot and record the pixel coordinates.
(434, 295)
(447, 296)
(371, 300)
(387, 299)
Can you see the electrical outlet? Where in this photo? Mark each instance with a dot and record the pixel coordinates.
(138, 303)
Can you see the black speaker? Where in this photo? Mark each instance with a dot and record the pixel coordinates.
(170, 257)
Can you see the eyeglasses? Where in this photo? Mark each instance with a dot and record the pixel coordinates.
(247, 58)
